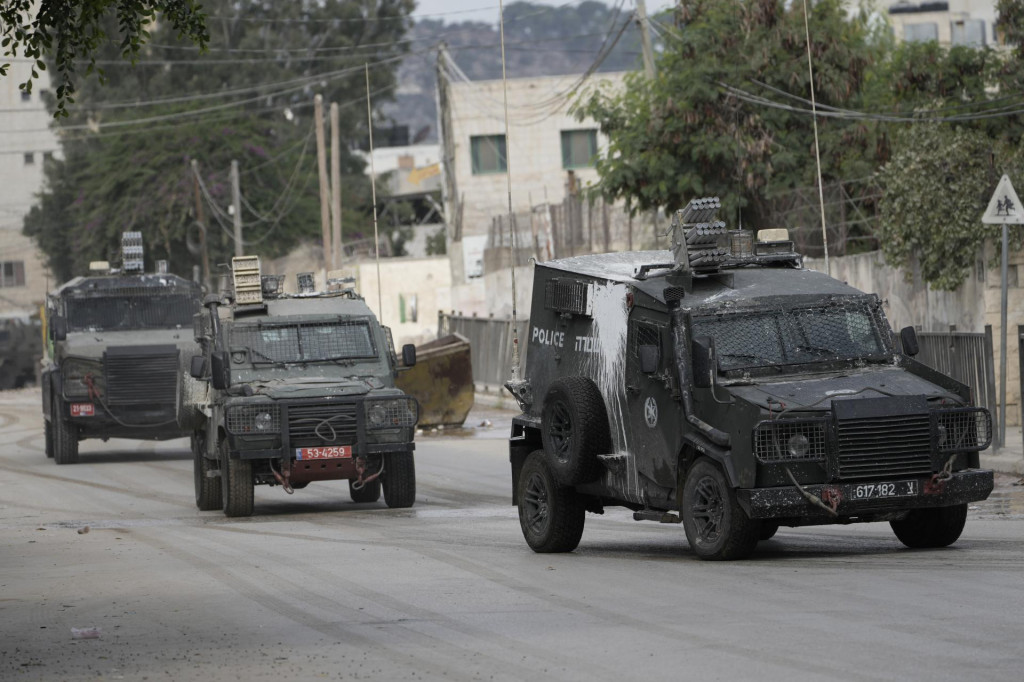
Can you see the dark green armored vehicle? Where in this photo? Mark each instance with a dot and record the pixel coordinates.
(301, 390)
(724, 387)
(118, 347)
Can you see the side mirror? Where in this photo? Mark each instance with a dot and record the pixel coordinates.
(409, 355)
(220, 370)
(908, 338)
(649, 359)
(59, 327)
(704, 362)
(198, 367)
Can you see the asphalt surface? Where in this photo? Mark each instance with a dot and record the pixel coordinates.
(108, 571)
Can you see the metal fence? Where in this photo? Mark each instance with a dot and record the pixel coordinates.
(967, 357)
(490, 341)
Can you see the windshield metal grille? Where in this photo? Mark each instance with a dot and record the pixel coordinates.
(315, 425)
(883, 447)
(311, 342)
(765, 338)
(142, 309)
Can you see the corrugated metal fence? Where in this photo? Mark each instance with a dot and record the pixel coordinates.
(968, 358)
(490, 339)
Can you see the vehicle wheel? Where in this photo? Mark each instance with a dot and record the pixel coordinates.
(574, 430)
(399, 480)
(370, 492)
(236, 483)
(716, 527)
(65, 435)
(48, 433)
(551, 515)
(937, 527)
(209, 495)
(767, 531)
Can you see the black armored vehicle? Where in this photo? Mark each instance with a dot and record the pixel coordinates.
(117, 353)
(723, 386)
(301, 389)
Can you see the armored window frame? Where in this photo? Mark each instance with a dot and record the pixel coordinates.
(567, 296)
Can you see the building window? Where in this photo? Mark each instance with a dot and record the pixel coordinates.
(47, 156)
(579, 148)
(970, 32)
(921, 33)
(12, 274)
(488, 154)
(30, 158)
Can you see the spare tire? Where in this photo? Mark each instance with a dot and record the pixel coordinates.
(574, 430)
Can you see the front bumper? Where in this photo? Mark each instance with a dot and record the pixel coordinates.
(786, 502)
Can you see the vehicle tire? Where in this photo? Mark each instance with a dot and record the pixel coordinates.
(574, 430)
(65, 435)
(209, 495)
(716, 527)
(551, 515)
(48, 433)
(935, 527)
(236, 483)
(767, 531)
(398, 481)
(370, 492)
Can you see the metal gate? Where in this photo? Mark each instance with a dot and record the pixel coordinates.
(490, 339)
(968, 358)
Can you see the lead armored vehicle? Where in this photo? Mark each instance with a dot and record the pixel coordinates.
(724, 387)
(301, 389)
(118, 346)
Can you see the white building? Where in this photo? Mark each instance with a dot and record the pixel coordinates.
(956, 22)
(26, 143)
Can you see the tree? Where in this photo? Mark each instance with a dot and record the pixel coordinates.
(67, 32)
(692, 131)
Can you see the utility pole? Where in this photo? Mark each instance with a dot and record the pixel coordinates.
(335, 188)
(236, 203)
(645, 38)
(201, 221)
(321, 159)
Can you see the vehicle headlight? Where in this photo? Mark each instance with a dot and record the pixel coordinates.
(78, 375)
(254, 419)
(790, 440)
(391, 413)
(797, 446)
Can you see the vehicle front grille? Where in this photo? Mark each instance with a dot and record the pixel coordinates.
(316, 425)
(143, 377)
(884, 446)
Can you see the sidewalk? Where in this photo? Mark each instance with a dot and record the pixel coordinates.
(1008, 460)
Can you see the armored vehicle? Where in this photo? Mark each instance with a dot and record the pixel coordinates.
(725, 387)
(302, 389)
(118, 346)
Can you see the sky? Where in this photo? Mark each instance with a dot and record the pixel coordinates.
(487, 10)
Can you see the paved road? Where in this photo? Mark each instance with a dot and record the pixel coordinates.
(316, 587)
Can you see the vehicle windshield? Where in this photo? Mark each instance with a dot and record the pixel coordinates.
(121, 313)
(304, 341)
(795, 336)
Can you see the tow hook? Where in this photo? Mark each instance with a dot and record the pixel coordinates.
(937, 483)
(282, 480)
(833, 496)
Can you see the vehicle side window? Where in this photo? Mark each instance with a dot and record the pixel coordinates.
(642, 334)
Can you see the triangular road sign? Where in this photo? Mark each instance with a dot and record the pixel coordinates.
(1004, 208)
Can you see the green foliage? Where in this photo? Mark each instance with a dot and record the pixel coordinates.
(155, 118)
(934, 196)
(437, 245)
(68, 31)
(1010, 23)
(683, 134)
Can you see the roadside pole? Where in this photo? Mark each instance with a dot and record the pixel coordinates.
(236, 203)
(645, 38)
(335, 188)
(321, 166)
(1003, 209)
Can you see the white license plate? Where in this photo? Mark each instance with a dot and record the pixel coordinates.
(875, 491)
(329, 452)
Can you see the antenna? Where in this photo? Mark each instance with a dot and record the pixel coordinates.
(817, 151)
(373, 194)
(511, 220)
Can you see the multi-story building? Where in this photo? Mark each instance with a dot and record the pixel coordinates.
(956, 22)
(26, 144)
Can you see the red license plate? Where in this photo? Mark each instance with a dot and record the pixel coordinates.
(83, 410)
(329, 452)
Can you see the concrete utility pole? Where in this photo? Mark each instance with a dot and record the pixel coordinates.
(335, 188)
(201, 221)
(236, 203)
(321, 165)
(645, 37)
